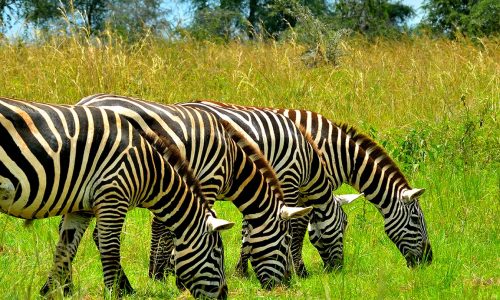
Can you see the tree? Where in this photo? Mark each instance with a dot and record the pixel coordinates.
(127, 17)
(132, 19)
(485, 18)
(272, 17)
(372, 17)
(217, 24)
(7, 8)
(248, 17)
(45, 13)
(468, 17)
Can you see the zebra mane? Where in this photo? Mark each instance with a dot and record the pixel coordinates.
(173, 156)
(376, 151)
(256, 156)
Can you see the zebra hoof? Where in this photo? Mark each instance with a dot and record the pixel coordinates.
(333, 265)
(45, 289)
(49, 287)
(179, 284)
(302, 271)
(242, 269)
(125, 286)
(161, 273)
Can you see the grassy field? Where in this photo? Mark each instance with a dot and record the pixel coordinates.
(433, 104)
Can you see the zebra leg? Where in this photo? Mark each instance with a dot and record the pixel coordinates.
(242, 265)
(299, 228)
(162, 246)
(71, 230)
(109, 226)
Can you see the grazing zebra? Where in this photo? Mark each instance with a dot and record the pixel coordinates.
(82, 162)
(355, 159)
(227, 167)
(302, 174)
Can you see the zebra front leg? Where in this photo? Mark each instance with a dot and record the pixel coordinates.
(299, 228)
(109, 226)
(71, 230)
(162, 244)
(242, 265)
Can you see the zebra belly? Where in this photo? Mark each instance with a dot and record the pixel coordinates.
(38, 210)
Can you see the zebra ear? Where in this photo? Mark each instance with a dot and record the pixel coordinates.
(288, 212)
(347, 198)
(411, 195)
(215, 224)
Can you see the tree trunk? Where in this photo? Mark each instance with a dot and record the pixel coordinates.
(252, 19)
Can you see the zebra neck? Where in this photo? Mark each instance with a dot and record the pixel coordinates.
(375, 175)
(249, 189)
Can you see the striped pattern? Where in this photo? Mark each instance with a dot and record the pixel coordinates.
(354, 158)
(82, 162)
(227, 167)
(299, 167)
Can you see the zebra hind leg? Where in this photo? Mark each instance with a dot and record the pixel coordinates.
(71, 230)
(242, 265)
(161, 254)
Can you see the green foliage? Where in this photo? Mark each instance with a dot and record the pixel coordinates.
(130, 19)
(216, 24)
(270, 18)
(322, 41)
(456, 17)
(47, 13)
(484, 18)
(133, 19)
(372, 17)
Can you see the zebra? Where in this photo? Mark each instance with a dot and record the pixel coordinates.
(81, 162)
(300, 168)
(354, 158)
(228, 167)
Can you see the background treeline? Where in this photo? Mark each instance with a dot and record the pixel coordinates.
(254, 19)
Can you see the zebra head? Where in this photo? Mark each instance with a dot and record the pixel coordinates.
(326, 230)
(199, 265)
(405, 226)
(272, 260)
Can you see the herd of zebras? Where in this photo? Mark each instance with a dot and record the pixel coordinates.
(108, 154)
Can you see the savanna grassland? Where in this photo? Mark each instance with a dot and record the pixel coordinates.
(433, 104)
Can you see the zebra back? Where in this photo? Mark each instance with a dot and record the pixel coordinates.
(257, 157)
(174, 157)
(310, 178)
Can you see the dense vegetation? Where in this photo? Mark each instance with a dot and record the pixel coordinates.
(254, 19)
(433, 104)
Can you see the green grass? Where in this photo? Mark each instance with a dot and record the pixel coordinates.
(432, 103)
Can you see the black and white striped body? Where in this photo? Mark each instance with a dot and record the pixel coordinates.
(226, 167)
(355, 159)
(300, 169)
(82, 162)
